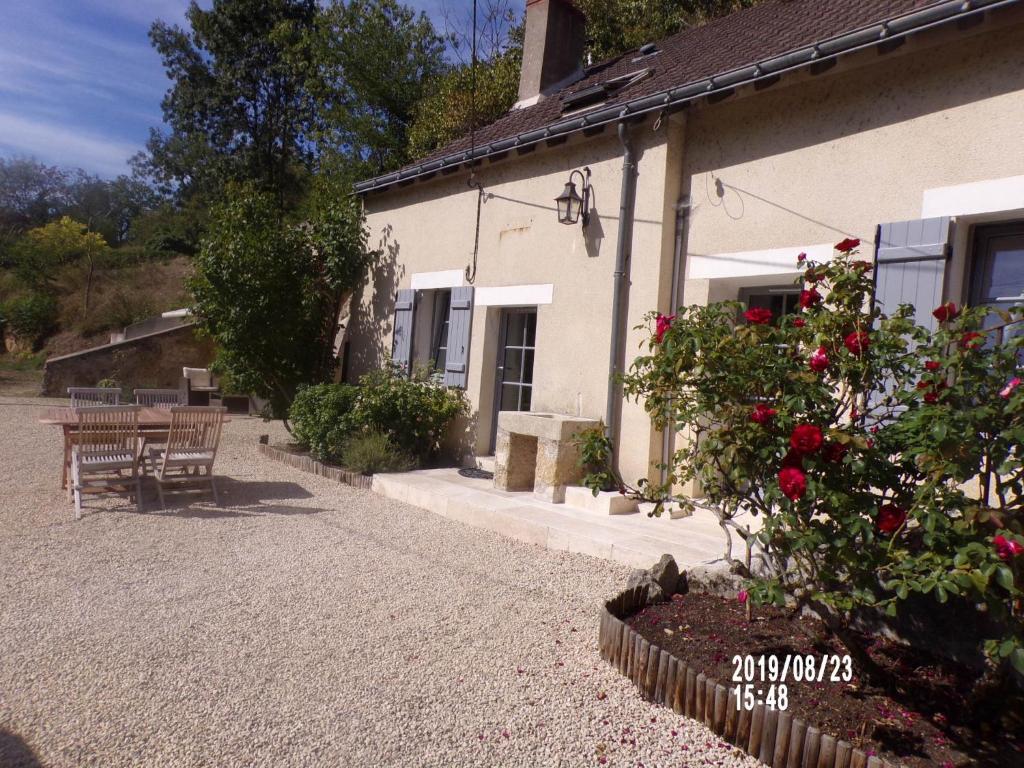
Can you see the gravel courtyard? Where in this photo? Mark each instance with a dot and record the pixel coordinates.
(303, 623)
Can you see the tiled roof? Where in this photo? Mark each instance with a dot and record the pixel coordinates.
(766, 31)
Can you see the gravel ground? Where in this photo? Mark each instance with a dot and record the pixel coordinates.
(303, 623)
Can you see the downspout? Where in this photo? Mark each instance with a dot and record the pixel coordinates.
(627, 198)
(682, 215)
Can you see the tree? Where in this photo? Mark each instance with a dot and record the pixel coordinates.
(376, 59)
(60, 242)
(617, 26)
(267, 289)
(239, 107)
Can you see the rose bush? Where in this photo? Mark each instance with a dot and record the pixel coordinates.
(883, 456)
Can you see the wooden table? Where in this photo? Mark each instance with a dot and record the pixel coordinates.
(153, 424)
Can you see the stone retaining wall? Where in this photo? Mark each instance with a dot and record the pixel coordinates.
(775, 738)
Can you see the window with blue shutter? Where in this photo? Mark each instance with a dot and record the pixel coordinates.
(405, 313)
(460, 321)
(910, 266)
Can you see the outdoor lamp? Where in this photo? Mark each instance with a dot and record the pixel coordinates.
(572, 207)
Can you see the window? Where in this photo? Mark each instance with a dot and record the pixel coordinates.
(997, 270)
(430, 339)
(781, 300)
(439, 329)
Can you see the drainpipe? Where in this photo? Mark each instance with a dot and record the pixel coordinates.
(682, 215)
(627, 198)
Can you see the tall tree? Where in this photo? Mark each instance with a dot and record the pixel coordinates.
(376, 60)
(239, 107)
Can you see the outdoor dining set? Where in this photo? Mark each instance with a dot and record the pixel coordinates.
(110, 446)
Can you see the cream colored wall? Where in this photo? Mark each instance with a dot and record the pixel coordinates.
(833, 156)
(429, 227)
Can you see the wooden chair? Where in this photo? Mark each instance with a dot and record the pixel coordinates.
(107, 445)
(159, 398)
(191, 450)
(94, 396)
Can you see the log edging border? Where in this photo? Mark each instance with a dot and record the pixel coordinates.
(314, 467)
(774, 737)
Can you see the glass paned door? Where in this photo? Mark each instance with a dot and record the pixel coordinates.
(514, 379)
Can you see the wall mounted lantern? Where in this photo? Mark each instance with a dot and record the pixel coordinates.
(571, 207)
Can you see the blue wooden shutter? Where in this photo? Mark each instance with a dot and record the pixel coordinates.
(405, 312)
(910, 266)
(460, 320)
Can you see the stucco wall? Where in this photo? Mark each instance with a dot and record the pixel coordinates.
(801, 166)
(430, 227)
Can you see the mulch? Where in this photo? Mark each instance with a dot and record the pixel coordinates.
(926, 721)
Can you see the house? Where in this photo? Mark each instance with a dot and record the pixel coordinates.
(711, 159)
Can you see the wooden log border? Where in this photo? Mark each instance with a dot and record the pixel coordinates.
(314, 467)
(777, 739)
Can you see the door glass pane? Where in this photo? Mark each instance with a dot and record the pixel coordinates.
(525, 403)
(513, 365)
(528, 366)
(514, 329)
(1003, 268)
(531, 329)
(509, 397)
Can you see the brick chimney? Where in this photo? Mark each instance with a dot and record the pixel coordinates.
(552, 45)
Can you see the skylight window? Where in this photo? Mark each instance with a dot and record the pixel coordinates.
(599, 92)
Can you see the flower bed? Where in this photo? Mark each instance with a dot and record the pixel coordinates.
(844, 724)
(302, 460)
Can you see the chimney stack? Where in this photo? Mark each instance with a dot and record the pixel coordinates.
(552, 46)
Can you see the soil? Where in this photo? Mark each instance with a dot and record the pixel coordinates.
(925, 720)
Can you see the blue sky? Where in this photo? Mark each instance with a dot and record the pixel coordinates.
(80, 84)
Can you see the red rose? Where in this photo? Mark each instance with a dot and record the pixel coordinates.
(792, 483)
(762, 414)
(1007, 549)
(835, 452)
(809, 298)
(971, 340)
(819, 360)
(793, 459)
(801, 257)
(847, 245)
(812, 275)
(932, 365)
(854, 414)
(758, 316)
(945, 312)
(890, 518)
(862, 266)
(664, 322)
(857, 342)
(806, 438)
(870, 443)
(1011, 385)
(799, 323)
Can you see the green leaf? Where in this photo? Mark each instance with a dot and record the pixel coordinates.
(1004, 577)
(1017, 659)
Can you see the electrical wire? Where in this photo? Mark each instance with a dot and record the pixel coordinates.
(472, 183)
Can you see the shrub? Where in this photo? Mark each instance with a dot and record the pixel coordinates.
(320, 418)
(885, 457)
(413, 412)
(372, 452)
(31, 317)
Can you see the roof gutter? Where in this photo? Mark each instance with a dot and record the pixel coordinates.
(800, 58)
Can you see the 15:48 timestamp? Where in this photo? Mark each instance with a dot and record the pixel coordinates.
(750, 695)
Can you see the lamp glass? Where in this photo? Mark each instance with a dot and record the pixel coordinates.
(570, 204)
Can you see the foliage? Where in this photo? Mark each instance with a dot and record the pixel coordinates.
(617, 26)
(267, 289)
(414, 412)
(371, 452)
(43, 249)
(447, 112)
(30, 317)
(596, 460)
(884, 457)
(320, 418)
(375, 60)
(239, 107)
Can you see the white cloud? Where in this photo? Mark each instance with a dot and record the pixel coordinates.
(64, 146)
